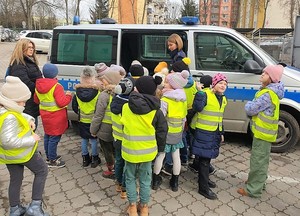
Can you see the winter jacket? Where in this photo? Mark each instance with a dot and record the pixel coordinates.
(142, 104)
(206, 144)
(263, 103)
(177, 55)
(55, 123)
(101, 129)
(86, 93)
(28, 74)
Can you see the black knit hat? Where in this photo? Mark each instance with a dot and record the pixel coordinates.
(148, 84)
(180, 66)
(206, 80)
(136, 70)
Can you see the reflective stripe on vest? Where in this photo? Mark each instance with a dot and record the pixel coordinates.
(19, 155)
(190, 95)
(139, 141)
(177, 111)
(266, 127)
(47, 100)
(211, 117)
(117, 126)
(87, 109)
(107, 115)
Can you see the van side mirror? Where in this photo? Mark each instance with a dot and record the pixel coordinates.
(252, 66)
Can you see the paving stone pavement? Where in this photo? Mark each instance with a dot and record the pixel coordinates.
(78, 191)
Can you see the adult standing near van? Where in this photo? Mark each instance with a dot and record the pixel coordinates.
(24, 64)
(175, 45)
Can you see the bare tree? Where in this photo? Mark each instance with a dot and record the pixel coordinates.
(266, 3)
(67, 11)
(133, 2)
(291, 9)
(205, 10)
(173, 12)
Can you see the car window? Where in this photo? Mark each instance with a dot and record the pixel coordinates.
(154, 46)
(46, 35)
(218, 52)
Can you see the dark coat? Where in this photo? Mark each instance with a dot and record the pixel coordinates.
(206, 144)
(85, 93)
(28, 74)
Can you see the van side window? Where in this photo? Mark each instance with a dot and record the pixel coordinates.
(70, 48)
(219, 52)
(154, 46)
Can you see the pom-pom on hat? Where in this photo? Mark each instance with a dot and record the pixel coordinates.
(15, 90)
(160, 66)
(113, 77)
(181, 65)
(50, 70)
(275, 72)
(218, 78)
(101, 68)
(87, 75)
(125, 86)
(206, 80)
(178, 80)
(148, 84)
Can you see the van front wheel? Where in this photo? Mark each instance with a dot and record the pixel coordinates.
(288, 133)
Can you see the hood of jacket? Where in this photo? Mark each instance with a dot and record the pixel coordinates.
(143, 103)
(278, 88)
(117, 103)
(176, 94)
(86, 92)
(43, 85)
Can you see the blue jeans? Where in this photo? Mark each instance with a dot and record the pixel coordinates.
(84, 146)
(142, 172)
(119, 163)
(50, 145)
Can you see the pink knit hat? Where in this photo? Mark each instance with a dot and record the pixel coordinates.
(101, 68)
(218, 78)
(178, 80)
(274, 71)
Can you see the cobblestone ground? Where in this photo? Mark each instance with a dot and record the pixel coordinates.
(78, 191)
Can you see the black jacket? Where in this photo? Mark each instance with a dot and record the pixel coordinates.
(143, 104)
(28, 74)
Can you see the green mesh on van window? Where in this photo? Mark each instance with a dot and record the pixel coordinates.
(99, 48)
(154, 46)
(71, 48)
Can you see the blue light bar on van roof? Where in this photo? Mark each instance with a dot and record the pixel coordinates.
(190, 20)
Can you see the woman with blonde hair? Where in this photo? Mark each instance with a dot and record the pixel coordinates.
(175, 45)
(24, 64)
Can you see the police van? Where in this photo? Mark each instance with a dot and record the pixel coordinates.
(212, 49)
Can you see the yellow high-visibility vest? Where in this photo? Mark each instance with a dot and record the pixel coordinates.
(87, 109)
(19, 155)
(177, 111)
(211, 117)
(139, 141)
(266, 127)
(47, 100)
(190, 95)
(117, 126)
(107, 115)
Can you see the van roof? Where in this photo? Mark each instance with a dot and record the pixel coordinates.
(142, 26)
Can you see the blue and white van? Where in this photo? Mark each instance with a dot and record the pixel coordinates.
(212, 49)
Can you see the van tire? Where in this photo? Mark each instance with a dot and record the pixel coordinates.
(288, 133)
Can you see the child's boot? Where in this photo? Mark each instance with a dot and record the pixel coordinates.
(174, 182)
(143, 209)
(156, 181)
(110, 172)
(86, 160)
(95, 161)
(17, 210)
(35, 209)
(132, 210)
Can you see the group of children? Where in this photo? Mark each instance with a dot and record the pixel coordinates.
(139, 120)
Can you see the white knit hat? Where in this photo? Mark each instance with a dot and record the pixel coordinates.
(15, 90)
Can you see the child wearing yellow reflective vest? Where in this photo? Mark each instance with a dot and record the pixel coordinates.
(210, 106)
(144, 135)
(101, 125)
(264, 112)
(84, 104)
(53, 102)
(122, 90)
(174, 107)
(18, 147)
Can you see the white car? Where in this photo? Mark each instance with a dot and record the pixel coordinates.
(41, 38)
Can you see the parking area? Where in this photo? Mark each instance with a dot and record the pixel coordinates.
(78, 191)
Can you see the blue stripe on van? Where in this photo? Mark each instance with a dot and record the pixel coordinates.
(68, 84)
(244, 94)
